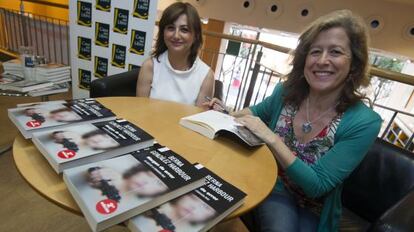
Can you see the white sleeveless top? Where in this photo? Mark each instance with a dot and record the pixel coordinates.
(175, 85)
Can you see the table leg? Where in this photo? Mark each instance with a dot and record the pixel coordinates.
(5, 148)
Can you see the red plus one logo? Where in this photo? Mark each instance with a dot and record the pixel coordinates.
(106, 206)
(33, 123)
(66, 154)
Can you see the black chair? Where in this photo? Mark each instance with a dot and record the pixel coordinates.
(380, 191)
(124, 84)
(378, 195)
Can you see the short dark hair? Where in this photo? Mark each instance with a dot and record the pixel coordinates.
(296, 85)
(169, 16)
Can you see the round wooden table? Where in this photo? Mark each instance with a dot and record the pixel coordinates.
(253, 170)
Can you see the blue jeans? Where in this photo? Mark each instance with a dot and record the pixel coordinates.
(280, 212)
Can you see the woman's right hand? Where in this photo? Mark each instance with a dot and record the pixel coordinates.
(217, 105)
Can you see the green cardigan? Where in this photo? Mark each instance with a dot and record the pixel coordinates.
(356, 132)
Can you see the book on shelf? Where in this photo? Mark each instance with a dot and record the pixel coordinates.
(54, 89)
(52, 68)
(198, 210)
(14, 64)
(212, 123)
(14, 67)
(111, 191)
(53, 77)
(7, 78)
(26, 85)
(40, 116)
(71, 146)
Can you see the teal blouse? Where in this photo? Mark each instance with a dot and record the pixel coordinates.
(355, 134)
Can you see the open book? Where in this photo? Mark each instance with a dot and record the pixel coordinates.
(212, 123)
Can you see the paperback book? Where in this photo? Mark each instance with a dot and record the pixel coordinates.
(7, 78)
(26, 85)
(72, 146)
(54, 89)
(111, 191)
(198, 210)
(52, 68)
(212, 123)
(36, 117)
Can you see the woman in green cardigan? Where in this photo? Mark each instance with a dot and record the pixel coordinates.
(316, 125)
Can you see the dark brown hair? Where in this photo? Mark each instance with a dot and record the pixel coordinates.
(169, 16)
(296, 86)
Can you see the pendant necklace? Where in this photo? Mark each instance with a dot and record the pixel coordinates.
(307, 126)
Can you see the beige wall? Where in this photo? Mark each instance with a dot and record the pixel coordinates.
(395, 16)
(38, 9)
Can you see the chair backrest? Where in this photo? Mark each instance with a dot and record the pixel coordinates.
(218, 89)
(122, 84)
(384, 177)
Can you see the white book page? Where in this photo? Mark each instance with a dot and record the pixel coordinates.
(214, 119)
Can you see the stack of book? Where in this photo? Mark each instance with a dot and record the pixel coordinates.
(48, 79)
(54, 89)
(7, 78)
(13, 67)
(116, 173)
(24, 86)
(56, 73)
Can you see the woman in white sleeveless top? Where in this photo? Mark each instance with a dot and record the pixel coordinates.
(175, 72)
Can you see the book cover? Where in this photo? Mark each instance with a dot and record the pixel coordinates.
(70, 146)
(36, 117)
(212, 123)
(112, 191)
(197, 210)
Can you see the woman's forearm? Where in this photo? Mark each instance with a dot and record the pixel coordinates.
(281, 152)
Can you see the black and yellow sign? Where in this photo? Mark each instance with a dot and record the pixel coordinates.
(121, 21)
(103, 5)
(137, 42)
(118, 55)
(141, 8)
(84, 48)
(101, 34)
(132, 66)
(84, 14)
(101, 67)
(84, 79)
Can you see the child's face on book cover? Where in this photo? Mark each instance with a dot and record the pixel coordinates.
(64, 116)
(145, 183)
(101, 141)
(193, 209)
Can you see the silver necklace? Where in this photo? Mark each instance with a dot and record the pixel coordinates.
(307, 125)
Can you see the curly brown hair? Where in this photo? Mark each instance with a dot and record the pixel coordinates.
(169, 16)
(296, 86)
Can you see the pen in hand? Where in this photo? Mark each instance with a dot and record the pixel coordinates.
(222, 108)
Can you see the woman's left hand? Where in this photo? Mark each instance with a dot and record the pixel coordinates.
(257, 127)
